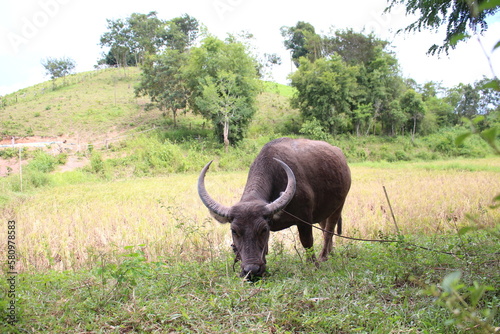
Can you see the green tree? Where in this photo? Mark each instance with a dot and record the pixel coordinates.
(163, 80)
(222, 77)
(181, 32)
(301, 40)
(394, 118)
(381, 84)
(462, 18)
(378, 77)
(119, 39)
(326, 91)
(354, 48)
(412, 104)
(163, 77)
(442, 110)
(58, 68)
(147, 34)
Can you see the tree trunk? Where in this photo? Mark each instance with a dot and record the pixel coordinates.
(414, 128)
(226, 134)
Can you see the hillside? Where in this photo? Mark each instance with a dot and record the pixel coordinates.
(83, 106)
(94, 106)
(99, 109)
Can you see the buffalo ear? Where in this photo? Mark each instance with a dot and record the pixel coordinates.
(220, 219)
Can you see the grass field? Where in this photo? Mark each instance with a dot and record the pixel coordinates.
(61, 226)
(142, 255)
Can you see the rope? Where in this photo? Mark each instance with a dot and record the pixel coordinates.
(383, 240)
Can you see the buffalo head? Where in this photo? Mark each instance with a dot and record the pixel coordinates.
(250, 221)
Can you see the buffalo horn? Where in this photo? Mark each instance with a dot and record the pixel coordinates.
(210, 203)
(285, 198)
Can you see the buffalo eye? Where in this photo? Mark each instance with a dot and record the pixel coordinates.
(234, 232)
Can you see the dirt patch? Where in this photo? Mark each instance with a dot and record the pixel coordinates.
(10, 166)
(73, 163)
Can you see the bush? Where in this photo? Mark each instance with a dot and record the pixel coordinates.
(9, 153)
(44, 162)
(96, 163)
(314, 130)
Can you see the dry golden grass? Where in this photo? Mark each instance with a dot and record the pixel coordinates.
(68, 227)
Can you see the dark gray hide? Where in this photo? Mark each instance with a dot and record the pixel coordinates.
(306, 178)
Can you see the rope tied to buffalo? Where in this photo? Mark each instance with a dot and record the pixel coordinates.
(401, 240)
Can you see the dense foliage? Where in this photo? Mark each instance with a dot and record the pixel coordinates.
(223, 81)
(350, 83)
(462, 18)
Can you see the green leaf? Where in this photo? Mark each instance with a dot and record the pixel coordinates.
(496, 46)
(491, 4)
(493, 84)
(458, 37)
(490, 135)
(450, 281)
(461, 138)
(477, 119)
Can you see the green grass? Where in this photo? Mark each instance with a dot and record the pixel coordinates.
(83, 106)
(279, 89)
(142, 255)
(363, 288)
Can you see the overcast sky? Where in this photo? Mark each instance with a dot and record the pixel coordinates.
(32, 30)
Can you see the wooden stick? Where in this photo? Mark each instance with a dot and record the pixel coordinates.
(392, 212)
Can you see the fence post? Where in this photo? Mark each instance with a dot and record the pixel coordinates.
(20, 168)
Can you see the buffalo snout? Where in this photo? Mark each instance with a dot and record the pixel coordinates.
(253, 270)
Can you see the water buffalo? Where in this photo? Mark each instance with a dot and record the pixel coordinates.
(289, 179)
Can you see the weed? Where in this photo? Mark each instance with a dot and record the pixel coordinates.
(469, 306)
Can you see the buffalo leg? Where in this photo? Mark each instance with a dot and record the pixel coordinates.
(328, 226)
(307, 240)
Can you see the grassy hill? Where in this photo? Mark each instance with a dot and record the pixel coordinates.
(99, 109)
(103, 102)
(85, 104)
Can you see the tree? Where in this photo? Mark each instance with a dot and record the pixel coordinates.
(354, 48)
(441, 109)
(58, 68)
(222, 77)
(394, 118)
(181, 32)
(163, 80)
(462, 18)
(147, 34)
(163, 76)
(131, 39)
(381, 84)
(326, 91)
(296, 40)
(119, 39)
(412, 104)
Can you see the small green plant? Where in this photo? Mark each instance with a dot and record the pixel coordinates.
(466, 304)
(96, 163)
(116, 281)
(9, 153)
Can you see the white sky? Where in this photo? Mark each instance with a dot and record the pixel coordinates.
(32, 30)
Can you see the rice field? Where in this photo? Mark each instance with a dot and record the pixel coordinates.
(67, 227)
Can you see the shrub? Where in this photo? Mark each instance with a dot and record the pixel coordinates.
(314, 130)
(9, 153)
(43, 162)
